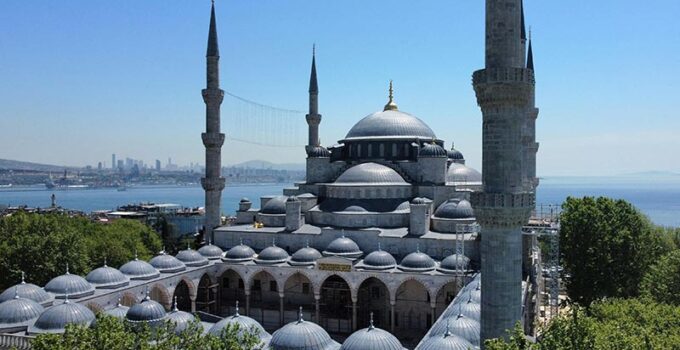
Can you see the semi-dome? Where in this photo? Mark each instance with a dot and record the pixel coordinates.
(318, 152)
(305, 256)
(28, 291)
(211, 251)
(343, 247)
(462, 174)
(276, 205)
(179, 319)
(370, 173)
(417, 262)
(239, 253)
(371, 338)
(379, 260)
(464, 327)
(245, 324)
(454, 262)
(18, 314)
(139, 270)
(455, 209)
(390, 124)
(432, 150)
(74, 285)
(272, 255)
(446, 341)
(119, 311)
(191, 258)
(55, 319)
(148, 311)
(302, 335)
(166, 263)
(106, 277)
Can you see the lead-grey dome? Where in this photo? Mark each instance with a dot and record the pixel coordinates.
(28, 291)
(305, 256)
(390, 124)
(18, 314)
(343, 247)
(191, 257)
(455, 209)
(446, 341)
(432, 150)
(371, 338)
(276, 205)
(370, 173)
(148, 311)
(379, 260)
(464, 327)
(355, 209)
(417, 262)
(239, 253)
(474, 294)
(467, 308)
(180, 319)
(245, 323)
(119, 311)
(74, 285)
(272, 255)
(211, 251)
(302, 335)
(455, 154)
(454, 263)
(318, 152)
(167, 263)
(55, 319)
(462, 174)
(106, 277)
(139, 270)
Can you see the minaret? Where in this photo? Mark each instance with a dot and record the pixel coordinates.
(313, 117)
(213, 182)
(504, 89)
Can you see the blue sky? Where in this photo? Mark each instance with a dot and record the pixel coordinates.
(83, 79)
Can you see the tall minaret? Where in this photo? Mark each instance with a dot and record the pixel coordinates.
(313, 118)
(213, 182)
(504, 90)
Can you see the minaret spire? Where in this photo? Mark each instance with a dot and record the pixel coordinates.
(213, 48)
(530, 55)
(313, 117)
(391, 105)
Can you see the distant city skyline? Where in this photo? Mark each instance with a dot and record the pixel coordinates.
(82, 78)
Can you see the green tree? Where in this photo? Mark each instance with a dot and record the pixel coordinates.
(662, 281)
(606, 247)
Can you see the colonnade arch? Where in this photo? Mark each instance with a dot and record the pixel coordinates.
(184, 295)
(207, 295)
(337, 305)
(298, 291)
(159, 293)
(373, 296)
(413, 312)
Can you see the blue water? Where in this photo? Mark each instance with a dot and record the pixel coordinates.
(658, 198)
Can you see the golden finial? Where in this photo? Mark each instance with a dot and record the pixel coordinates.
(391, 106)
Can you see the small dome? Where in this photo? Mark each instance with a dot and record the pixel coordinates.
(119, 311)
(305, 256)
(302, 335)
(446, 341)
(272, 255)
(239, 253)
(245, 324)
(455, 262)
(390, 124)
(455, 209)
(318, 152)
(74, 285)
(379, 260)
(370, 173)
(167, 263)
(474, 294)
(461, 173)
(191, 258)
(210, 251)
(28, 291)
(180, 319)
(18, 314)
(292, 199)
(417, 262)
(147, 311)
(420, 200)
(462, 326)
(467, 308)
(371, 338)
(55, 319)
(355, 209)
(107, 278)
(454, 154)
(432, 150)
(343, 247)
(276, 205)
(139, 270)
(245, 200)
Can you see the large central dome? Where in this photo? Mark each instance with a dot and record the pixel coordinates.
(390, 124)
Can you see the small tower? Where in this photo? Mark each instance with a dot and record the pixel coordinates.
(313, 117)
(213, 182)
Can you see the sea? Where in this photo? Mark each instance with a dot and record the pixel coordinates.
(658, 197)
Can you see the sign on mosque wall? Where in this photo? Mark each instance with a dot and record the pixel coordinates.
(333, 263)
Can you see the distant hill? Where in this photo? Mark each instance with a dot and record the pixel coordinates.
(263, 164)
(6, 164)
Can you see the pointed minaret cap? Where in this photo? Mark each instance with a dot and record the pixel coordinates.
(213, 49)
(530, 56)
(391, 106)
(524, 31)
(313, 85)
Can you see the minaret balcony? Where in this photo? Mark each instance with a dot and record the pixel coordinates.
(213, 183)
(213, 139)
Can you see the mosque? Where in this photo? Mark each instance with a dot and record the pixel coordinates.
(386, 245)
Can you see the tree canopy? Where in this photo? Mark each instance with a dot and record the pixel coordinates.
(662, 281)
(42, 244)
